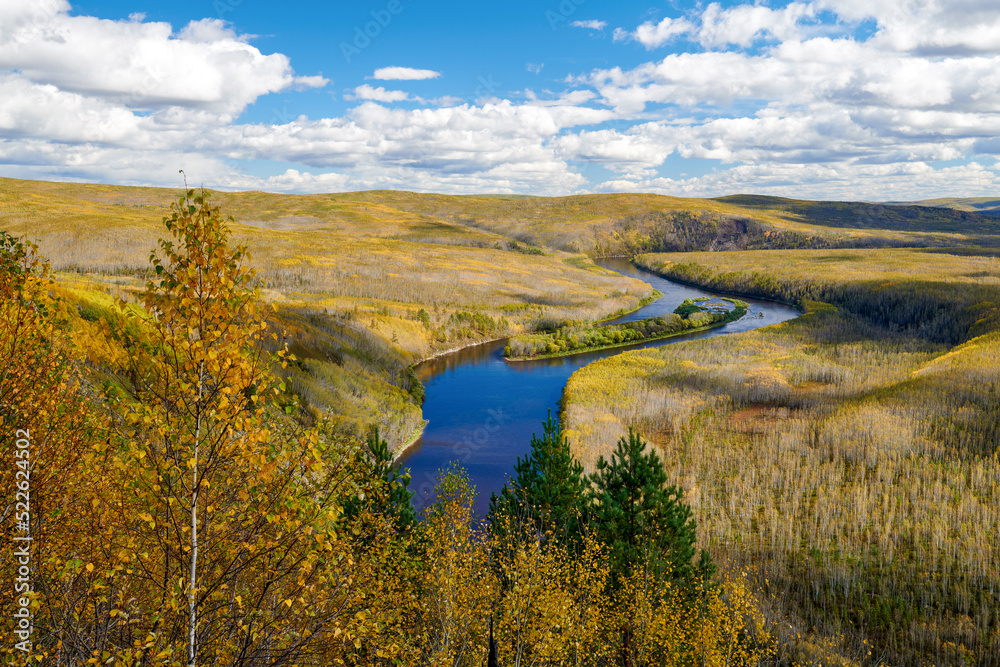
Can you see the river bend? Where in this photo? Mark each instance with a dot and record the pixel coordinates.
(482, 411)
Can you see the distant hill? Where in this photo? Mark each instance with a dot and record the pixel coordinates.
(910, 217)
(982, 205)
(370, 282)
(596, 225)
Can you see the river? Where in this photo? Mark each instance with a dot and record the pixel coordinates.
(482, 411)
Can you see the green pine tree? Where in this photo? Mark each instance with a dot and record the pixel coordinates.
(388, 491)
(643, 520)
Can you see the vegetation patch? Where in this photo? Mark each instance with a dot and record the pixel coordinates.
(287, 543)
(686, 318)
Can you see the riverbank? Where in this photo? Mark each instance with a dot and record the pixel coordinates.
(482, 411)
(634, 343)
(452, 350)
(412, 440)
(406, 445)
(658, 270)
(639, 306)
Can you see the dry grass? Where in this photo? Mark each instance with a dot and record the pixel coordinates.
(351, 278)
(853, 465)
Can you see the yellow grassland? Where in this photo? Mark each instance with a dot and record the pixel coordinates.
(847, 459)
(853, 467)
(847, 265)
(348, 277)
(571, 223)
(360, 266)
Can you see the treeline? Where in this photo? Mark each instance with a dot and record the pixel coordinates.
(689, 316)
(861, 215)
(935, 307)
(179, 516)
(686, 231)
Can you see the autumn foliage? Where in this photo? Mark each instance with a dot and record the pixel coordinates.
(182, 515)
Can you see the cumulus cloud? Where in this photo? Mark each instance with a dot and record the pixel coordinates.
(780, 99)
(404, 74)
(912, 182)
(380, 94)
(654, 35)
(742, 25)
(141, 65)
(927, 26)
(716, 27)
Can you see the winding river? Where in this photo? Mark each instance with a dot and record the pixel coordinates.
(482, 411)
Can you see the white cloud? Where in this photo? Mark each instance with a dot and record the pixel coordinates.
(739, 25)
(142, 65)
(535, 68)
(927, 26)
(781, 102)
(590, 25)
(305, 82)
(404, 74)
(654, 35)
(619, 152)
(742, 25)
(910, 182)
(380, 94)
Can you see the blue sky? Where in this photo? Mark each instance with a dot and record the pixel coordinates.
(838, 99)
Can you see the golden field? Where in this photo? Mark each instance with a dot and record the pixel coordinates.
(363, 288)
(368, 283)
(849, 457)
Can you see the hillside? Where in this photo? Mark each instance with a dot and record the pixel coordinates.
(981, 205)
(367, 283)
(596, 225)
(362, 288)
(878, 403)
(916, 217)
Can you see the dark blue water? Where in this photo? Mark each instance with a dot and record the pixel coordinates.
(482, 411)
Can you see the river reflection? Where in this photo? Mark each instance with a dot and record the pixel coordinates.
(482, 411)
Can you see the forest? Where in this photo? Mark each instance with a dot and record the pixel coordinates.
(184, 516)
(820, 492)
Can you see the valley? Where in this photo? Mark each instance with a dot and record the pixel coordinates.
(839, 459)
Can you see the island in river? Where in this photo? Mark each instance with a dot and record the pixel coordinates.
(692, 315)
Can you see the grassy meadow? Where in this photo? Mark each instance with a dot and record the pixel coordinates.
(848, 458)
(368, 283)
(363, 287)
